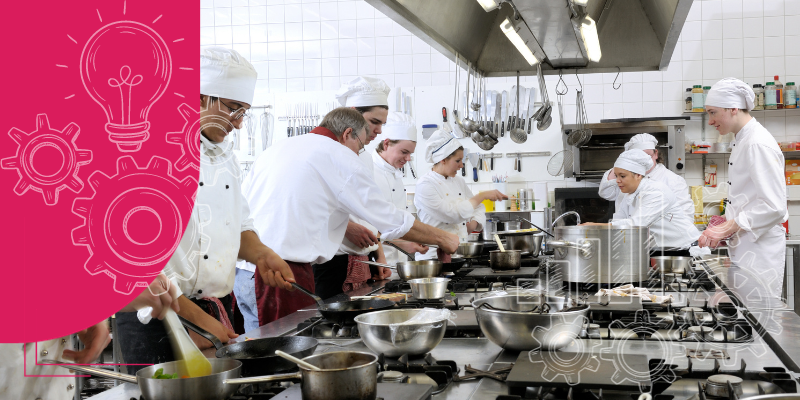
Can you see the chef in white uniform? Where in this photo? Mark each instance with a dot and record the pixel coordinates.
(398, 142)
(22, 378)
(203, 266)
(442, 197)
(756, 187)
(647, 142)
(650, 203)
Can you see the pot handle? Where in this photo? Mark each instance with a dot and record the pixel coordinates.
(584, 246)
(266, 378)
(94, 371)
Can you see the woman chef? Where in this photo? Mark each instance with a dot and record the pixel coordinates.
(442, 197)
(650, 203)
(756, 190)
(647, 142)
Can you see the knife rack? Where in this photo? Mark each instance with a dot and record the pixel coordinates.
(529, 154)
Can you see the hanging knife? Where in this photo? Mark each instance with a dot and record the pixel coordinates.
(504, 113)
(498, 114)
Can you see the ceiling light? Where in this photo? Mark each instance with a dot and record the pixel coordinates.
(508, 28)
(590, 39)
(580, 2)
(488, 5)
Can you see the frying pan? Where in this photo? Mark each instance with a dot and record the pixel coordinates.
(454, 265)
(343, 312)
(258, 356)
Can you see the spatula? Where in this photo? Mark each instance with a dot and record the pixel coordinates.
(195, 364)
(499, 243)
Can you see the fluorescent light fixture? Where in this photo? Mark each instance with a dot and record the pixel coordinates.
(508, 28)
(590, 39)
(488, 5)
(580, 2)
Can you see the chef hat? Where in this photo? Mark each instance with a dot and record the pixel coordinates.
(364, 91)
(225, 73)
(636, 161)
(642, 141)
(399, 126)
(731, 93)
(440, 146)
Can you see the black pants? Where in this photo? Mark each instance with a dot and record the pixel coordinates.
(330, 276)
(149, 344)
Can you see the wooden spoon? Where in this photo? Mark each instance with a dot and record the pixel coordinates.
(297, 361)
(499, 243)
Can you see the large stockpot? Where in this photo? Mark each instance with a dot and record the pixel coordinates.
(389, 332)
(526, 242)
(602, 253)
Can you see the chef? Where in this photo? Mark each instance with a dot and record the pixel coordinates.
(22, 376)
(756, 189)
(302, 191)
(649, 203)
(397, 145)
(203, 269)
(442, 197)
(648, 143)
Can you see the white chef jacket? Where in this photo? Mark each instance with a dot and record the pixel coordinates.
(347, 247)
(390, 181)
(757, 201)
(13, 368)
(654, 204)
(301, 192)
(610, 191)
(444, 203)
(203, 264)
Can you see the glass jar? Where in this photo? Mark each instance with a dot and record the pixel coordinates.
(688, 106)
(790, 96)
(770, 97)
(758, 89)
(698, 105)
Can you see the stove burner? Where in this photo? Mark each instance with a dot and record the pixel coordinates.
(699, 334)
(499, 375)
(442, 372)
(722, 385)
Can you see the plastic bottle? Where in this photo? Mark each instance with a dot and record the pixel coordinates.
(790, 96)
(778, 92)
(698, 105)
(705, 94)
(770, 97)
(758, 89)
(688, 101)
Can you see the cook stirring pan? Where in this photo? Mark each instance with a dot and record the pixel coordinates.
(343, 312)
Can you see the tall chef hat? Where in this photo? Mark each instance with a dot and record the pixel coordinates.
(731, 93)
(225, 73)
(440, 146)
(364, 91)
(635, 160)
(642, 141)
(399, 126)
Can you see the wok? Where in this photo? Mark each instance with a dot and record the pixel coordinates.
(258, 356)
(343, 312)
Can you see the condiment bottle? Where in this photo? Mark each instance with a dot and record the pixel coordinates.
(778, 92)
(770, 97)
(758, 89)
(688, 101)
(790, 96)
(697, 99)
(705, 94)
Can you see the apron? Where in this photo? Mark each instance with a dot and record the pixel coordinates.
(747, 252)
(274, 303)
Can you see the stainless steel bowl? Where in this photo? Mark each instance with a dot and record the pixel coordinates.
(419, 269)
(519, 329)
(474, 237)
(470, 249)
(412, 339)
(670, 264)
(428, 288)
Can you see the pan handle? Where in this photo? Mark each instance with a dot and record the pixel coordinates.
(94, 371)
(267, 378)
(202, 332)
(411, 257)
(320, 303)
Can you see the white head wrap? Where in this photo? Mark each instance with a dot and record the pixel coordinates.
(364, 91)
(225, 73)
(636, 161)
(642, 141)
(439, 146)
(731, 93)
(399, 126)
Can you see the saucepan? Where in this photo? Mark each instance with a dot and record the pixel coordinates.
(505, 260)
(428, 288)
(671, 264)
(343, 375)
(470, 249)
(413, 269)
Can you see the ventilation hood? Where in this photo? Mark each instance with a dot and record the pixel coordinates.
(635, 35)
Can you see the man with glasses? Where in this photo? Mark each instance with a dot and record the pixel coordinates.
(203, 266)
(301, 192)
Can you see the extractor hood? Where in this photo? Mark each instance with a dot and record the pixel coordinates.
(635, 35)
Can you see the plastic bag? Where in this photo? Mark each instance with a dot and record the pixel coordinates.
(423, 321)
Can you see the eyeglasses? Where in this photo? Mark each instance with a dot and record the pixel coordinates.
(236, 113)
(360, 150)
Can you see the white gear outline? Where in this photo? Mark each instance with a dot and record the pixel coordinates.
(101, 212)
(45, 136)
(587, 360)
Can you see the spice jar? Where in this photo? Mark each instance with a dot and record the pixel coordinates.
(698, 105)
(770, 97)
(688, 106)
(758, 89)
(790, 96)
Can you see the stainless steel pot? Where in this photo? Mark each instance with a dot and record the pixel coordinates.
(526, 242)
(470, 249)
(601, 253)
(428, 288)
(671, 264)
(505, 260)
(489, 229)
(512, 326)
(419, 269)
(345, 375)
(510, 226)
(381, 337)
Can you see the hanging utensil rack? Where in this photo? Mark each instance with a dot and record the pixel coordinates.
(529, 154)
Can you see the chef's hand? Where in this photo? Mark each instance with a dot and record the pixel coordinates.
(95, 339)
(612, 175)
(274, 271)
(713, 235)
(215, 328)
(360, 235)
(494, 195)
(383, 273)
(411, 247)
(449, 243)
(160, 295)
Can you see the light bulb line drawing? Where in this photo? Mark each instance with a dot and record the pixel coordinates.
(126, 80)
